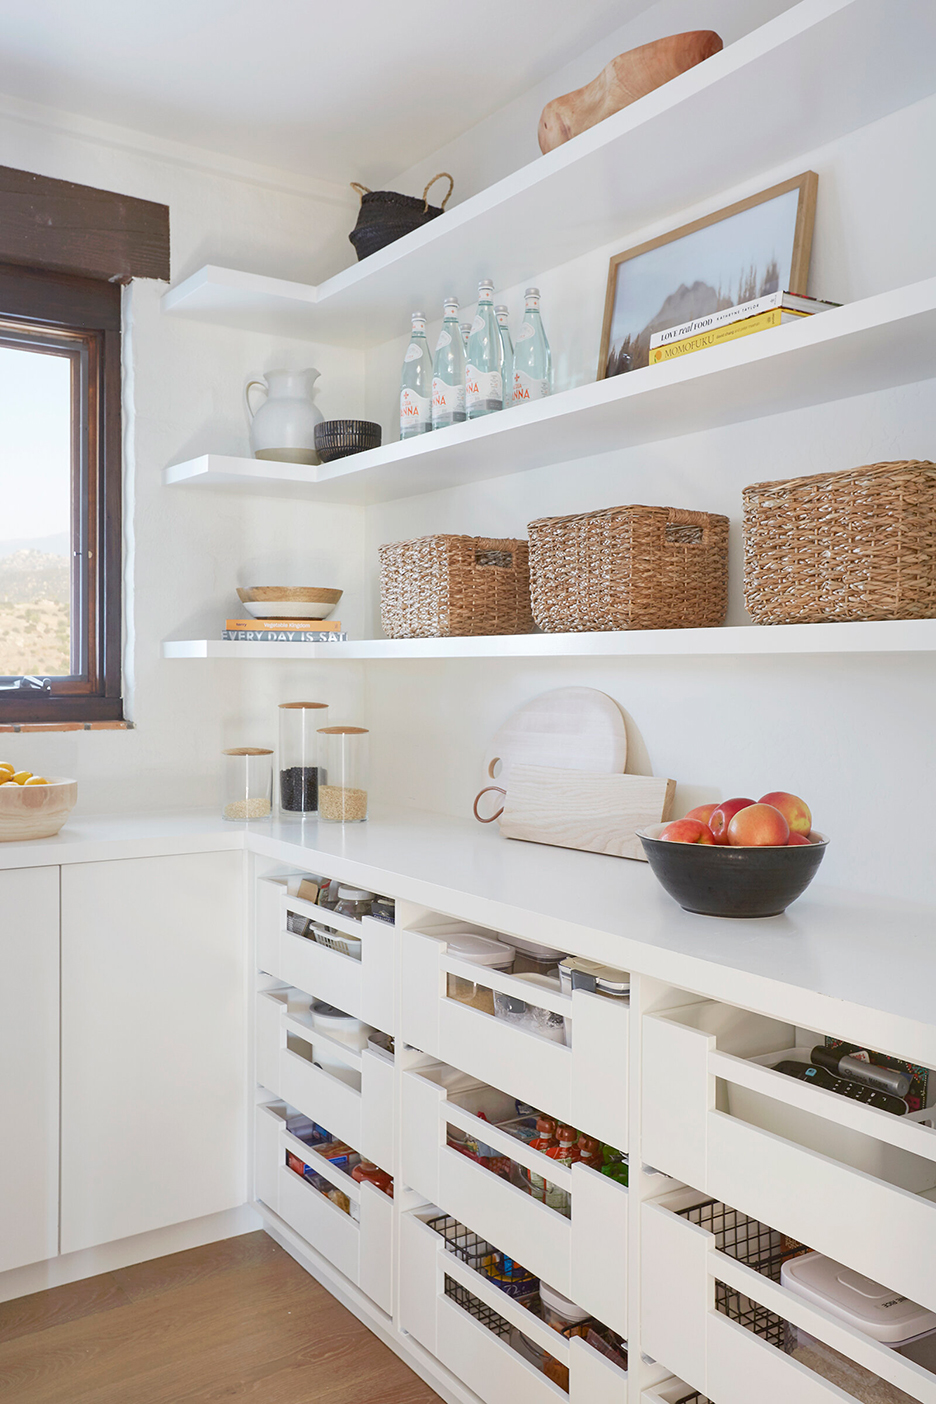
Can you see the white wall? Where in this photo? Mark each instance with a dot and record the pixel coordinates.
(854, 735)
(187, 550)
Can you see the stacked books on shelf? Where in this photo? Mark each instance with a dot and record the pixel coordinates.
(283, 631)
(771, 310)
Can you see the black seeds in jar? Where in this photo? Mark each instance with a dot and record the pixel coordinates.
(299, 787)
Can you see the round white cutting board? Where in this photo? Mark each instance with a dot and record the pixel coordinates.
(571, 728)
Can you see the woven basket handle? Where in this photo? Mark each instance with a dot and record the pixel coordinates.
(362, 190)
(442, 175)
(679, 516)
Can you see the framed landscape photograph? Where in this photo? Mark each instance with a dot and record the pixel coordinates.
(760, 245)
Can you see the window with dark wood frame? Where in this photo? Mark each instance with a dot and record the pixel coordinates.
(65, 249)
(78, 318)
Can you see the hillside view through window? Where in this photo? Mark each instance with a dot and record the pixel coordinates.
(35, 512)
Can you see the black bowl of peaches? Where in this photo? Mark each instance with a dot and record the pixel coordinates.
(739, 857)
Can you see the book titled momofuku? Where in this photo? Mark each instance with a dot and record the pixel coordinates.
(283, 636)
(778, 301)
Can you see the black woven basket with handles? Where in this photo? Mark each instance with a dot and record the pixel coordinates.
(385, 216)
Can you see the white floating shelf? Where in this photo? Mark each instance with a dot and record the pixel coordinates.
(891, 636)
(878, 342)
(759, 103)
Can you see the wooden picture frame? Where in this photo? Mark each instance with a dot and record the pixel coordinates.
(801, 246)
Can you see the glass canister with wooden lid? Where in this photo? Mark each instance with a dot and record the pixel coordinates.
(247, 783)
(299, 760)
(343, 778)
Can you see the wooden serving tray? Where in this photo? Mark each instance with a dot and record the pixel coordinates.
(583, 809)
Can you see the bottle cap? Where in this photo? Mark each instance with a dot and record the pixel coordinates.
(532, 292)
(502, 307)
(485, 285)
(419, 316)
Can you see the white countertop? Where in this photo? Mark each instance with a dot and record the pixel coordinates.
(869, 951)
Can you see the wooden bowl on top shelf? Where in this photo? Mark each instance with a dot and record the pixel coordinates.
(288, 601)
(35, 811)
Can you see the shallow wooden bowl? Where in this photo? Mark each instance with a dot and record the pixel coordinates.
(35, 811)
(288, 592)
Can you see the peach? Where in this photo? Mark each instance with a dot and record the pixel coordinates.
(758, 826)
(794, 810)
(687, 831)
(722, 816)
(702, 812)
(796, 839)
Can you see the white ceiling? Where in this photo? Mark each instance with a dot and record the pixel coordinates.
(339, 89)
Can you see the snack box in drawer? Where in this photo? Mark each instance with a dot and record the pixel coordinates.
(727, 1258)
(817, 1165)
(356, 1105)
(362, 983)
(360, 1248)
(490, 1359)
(584, 1084)
(583, 1257)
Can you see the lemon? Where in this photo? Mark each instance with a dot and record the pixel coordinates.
(21, 777)
(5, 765)
(4, 783)
(36, 780)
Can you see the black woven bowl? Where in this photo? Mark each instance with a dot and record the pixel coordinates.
(336, 438)
(717, 880)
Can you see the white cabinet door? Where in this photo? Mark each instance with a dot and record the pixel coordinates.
(29, 1065)
(154, 1044)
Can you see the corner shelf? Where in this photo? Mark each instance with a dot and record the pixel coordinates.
(759, 103)
(874, 636)
(878, 342)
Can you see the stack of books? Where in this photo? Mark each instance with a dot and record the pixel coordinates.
(283, 631)
(763, 312)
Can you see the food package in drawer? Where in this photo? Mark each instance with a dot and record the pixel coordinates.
(820, 1133)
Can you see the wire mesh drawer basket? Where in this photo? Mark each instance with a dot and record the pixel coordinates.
(443, 586)
(860, 544)
(629, 568)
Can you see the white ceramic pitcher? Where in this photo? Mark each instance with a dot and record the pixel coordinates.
(284, 425)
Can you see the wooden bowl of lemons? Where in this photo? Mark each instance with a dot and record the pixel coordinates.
(33, 806)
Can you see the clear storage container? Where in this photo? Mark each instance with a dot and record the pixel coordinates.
(299, 746)
(344, 774)
(478, 950)
(531, 1016)
(247, 784)
(354, 902)
(535, 958)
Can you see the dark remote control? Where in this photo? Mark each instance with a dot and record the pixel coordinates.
(820, 1077)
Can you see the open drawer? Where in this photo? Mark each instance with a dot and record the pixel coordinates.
(363, 987)
(476, 1330)
(713, 1310)
(673, 1391)
(355, 1105)
(584, 1258)
(584, 1084)
(811, 1162)
(360, 1248)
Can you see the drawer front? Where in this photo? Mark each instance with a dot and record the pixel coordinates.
(683, 1329)
(599, 1248)
(804, 1186)
(486, 1364)
(329, 1102)
(531, 1068)
(536, 1236)
(323, 973)
(376, 1262)
(378, 1110)
(328, 1229)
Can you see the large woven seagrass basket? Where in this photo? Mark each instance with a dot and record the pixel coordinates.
(629, 568)
(859, 544)
(444, 586)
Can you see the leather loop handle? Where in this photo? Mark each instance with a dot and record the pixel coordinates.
(440, 176)
(362, 190)
(474, 807)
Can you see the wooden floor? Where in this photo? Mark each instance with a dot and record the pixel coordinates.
(233, 1320)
